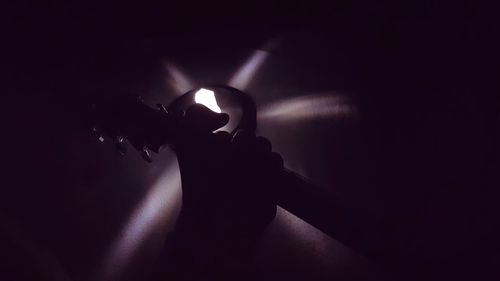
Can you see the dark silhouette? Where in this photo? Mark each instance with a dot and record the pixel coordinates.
(421, 169)
(228, 200)
(231, 184)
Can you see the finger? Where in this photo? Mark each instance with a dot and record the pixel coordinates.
(276, 161)
(200, 117)
(222, 137)
(243, 138)
(263, 145)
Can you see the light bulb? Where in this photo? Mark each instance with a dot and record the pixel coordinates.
(207, 98)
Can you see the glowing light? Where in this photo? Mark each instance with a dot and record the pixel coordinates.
(207, 98)
(242, 78)
(308, 107)
(152, 219)
(178, 80)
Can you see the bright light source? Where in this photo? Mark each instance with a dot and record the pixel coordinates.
(207, 98)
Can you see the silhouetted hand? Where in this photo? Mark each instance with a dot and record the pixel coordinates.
(227, 186)
(226, 181)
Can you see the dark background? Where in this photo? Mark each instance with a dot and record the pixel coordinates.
(420, 161)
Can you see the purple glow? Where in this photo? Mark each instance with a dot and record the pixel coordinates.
(245, 74)
(178, 80)
(308, 107)
(157, 212)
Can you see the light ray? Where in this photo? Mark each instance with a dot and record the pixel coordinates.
(159, 207)
(308, 107)
(244, 75)
(177, 79)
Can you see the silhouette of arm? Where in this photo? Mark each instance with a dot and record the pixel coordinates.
(228, 197)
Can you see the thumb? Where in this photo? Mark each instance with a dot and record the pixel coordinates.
(201, 118)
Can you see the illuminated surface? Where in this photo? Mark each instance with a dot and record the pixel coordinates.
(155, 214)
(314, 255)
(207, 98)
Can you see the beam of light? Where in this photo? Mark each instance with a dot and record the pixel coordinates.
(244, 75)
(157, 212)
(308, 107)
(177, 80)
(207, 98)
